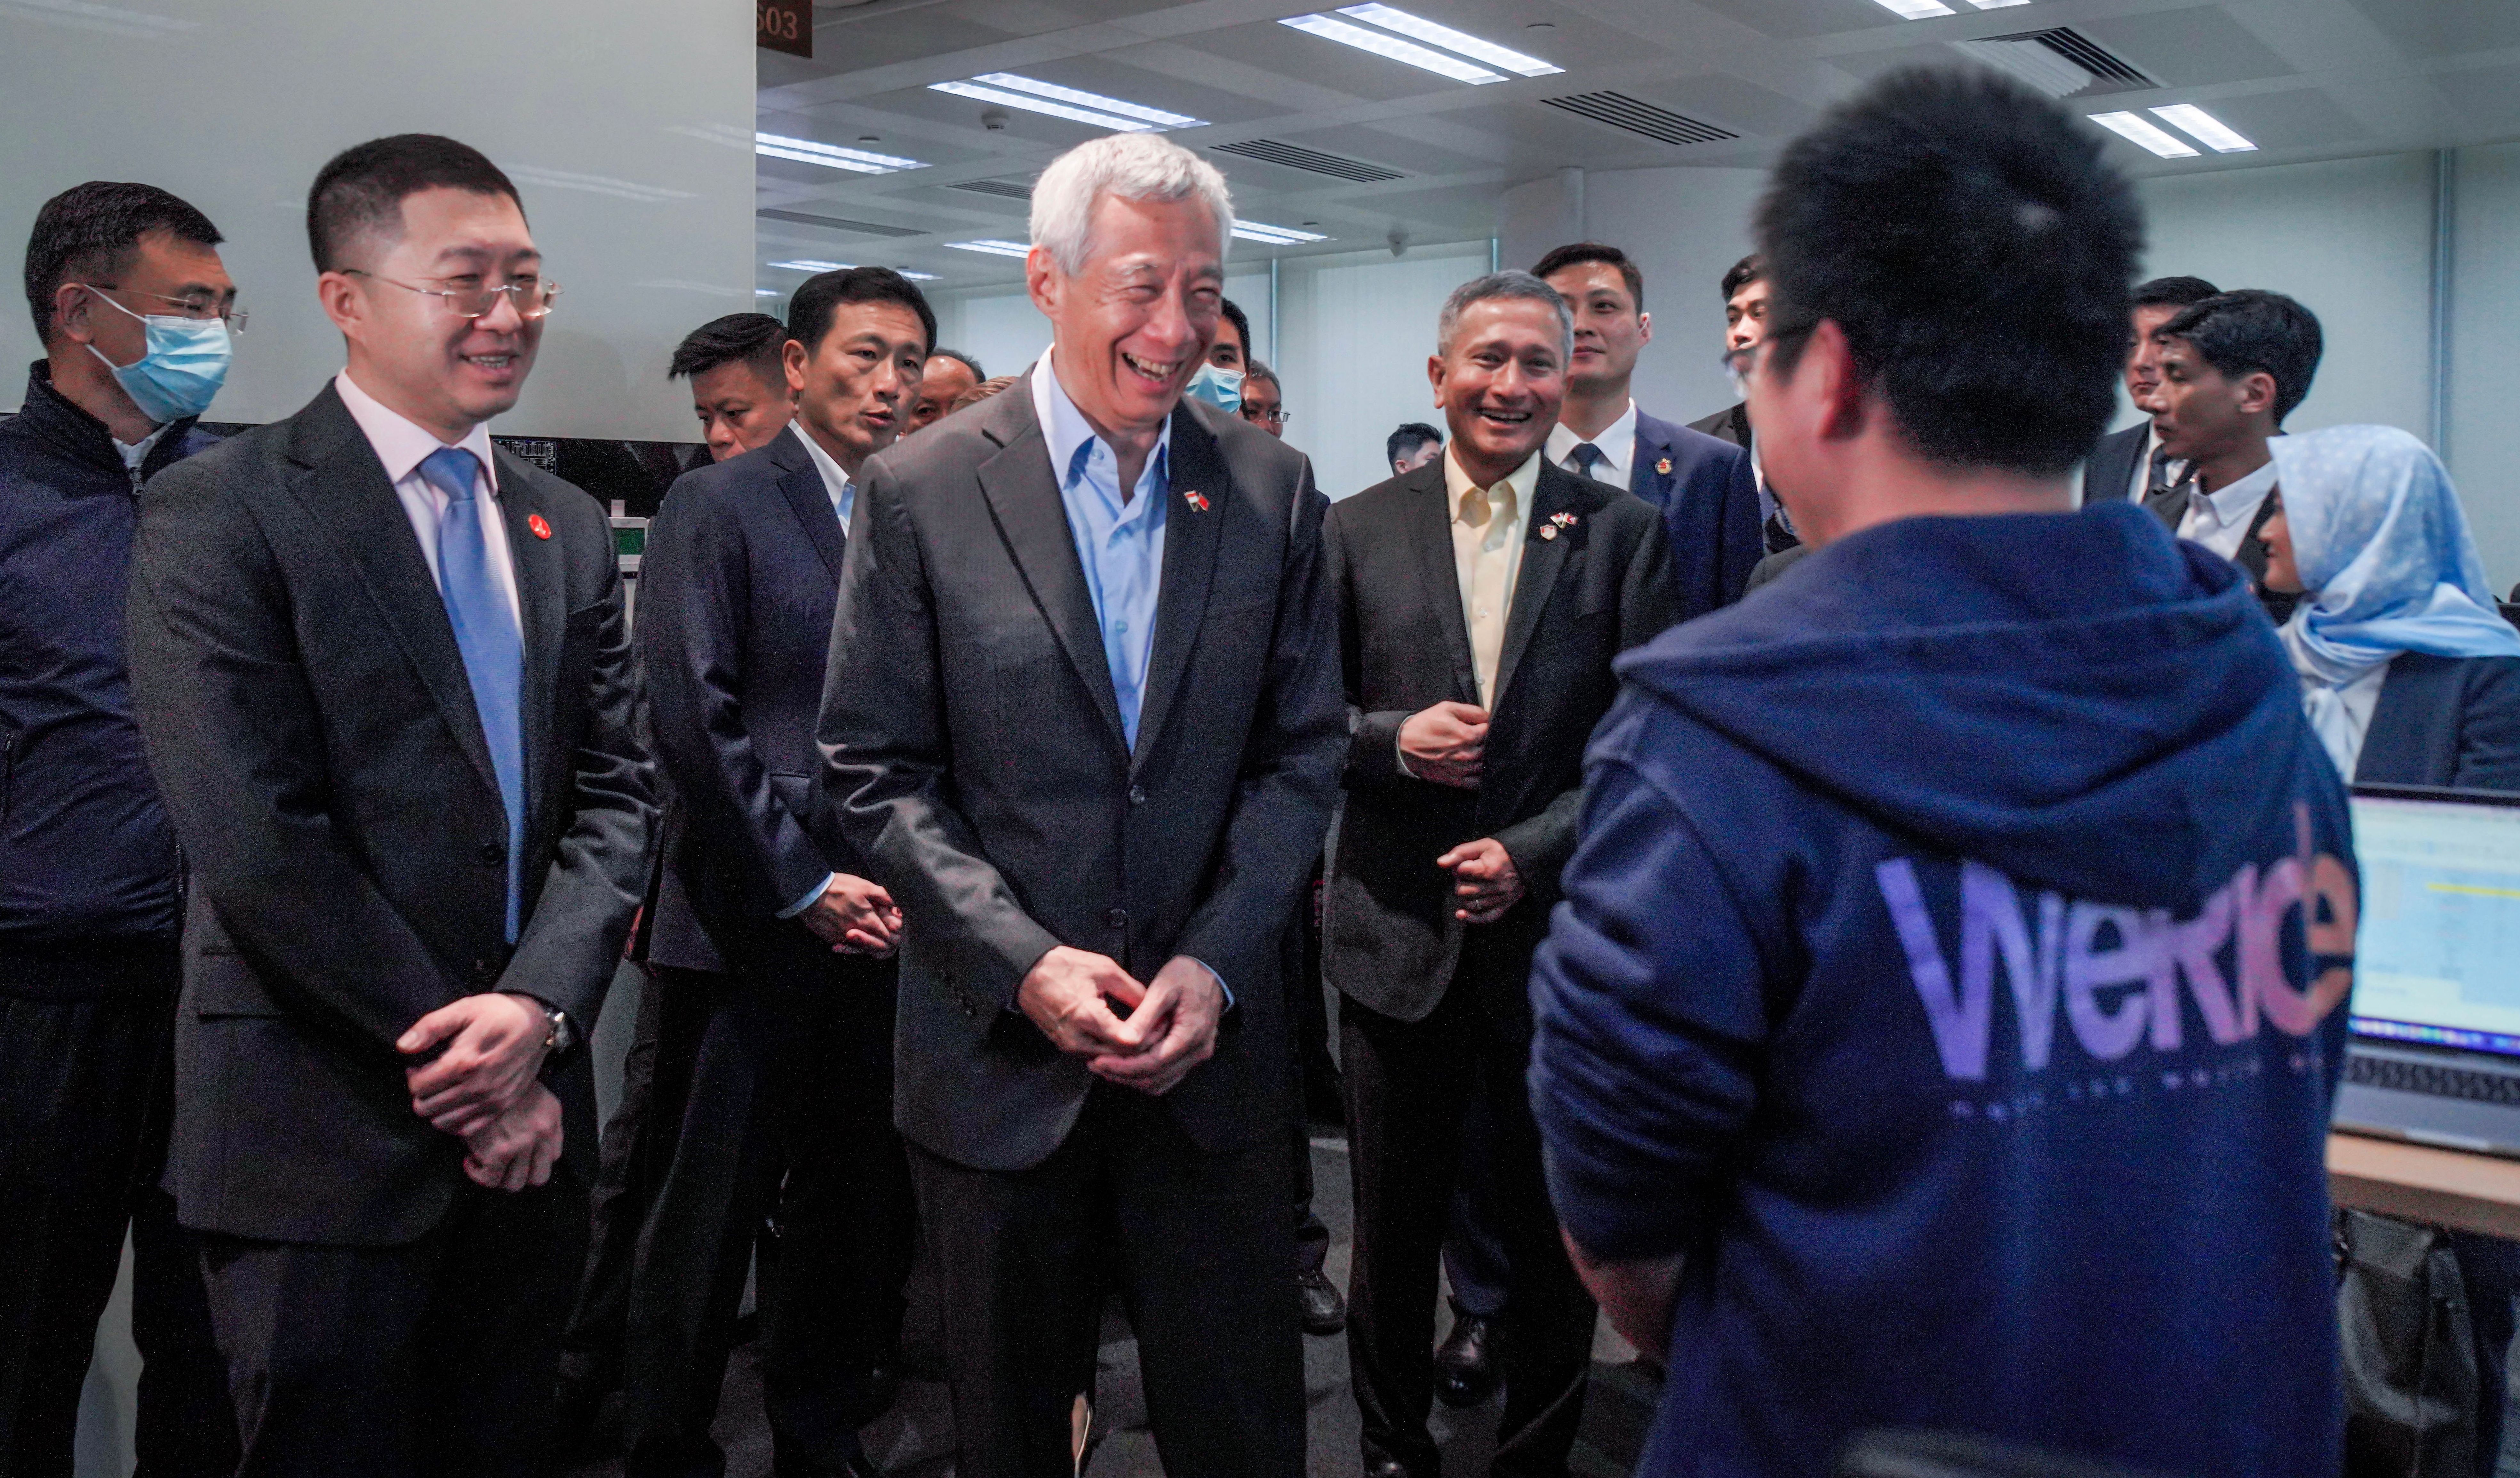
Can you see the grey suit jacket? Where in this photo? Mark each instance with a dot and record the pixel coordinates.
(307, 714)
(976, 754)
(2109, 472)
(1595, 580)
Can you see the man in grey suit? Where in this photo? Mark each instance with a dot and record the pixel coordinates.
(385, 683)
(1082, 720)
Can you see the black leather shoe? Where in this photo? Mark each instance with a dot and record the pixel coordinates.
(1324, 1307)
(1466, 1361)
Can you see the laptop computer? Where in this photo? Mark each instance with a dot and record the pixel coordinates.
(2435, 1054)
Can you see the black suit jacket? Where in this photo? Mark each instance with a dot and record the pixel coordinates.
(2109, 472)
(2444, 721)
(1709, 501)
(735, 618)
(974, 745)
(307, 715)
(1600, 586)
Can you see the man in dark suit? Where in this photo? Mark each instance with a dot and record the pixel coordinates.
(1083, 721)
(770, 952)
(385, 686)
(2232, 367)
(1703, 487)
(2128, 463)
(1745, 322)
(1481, 602)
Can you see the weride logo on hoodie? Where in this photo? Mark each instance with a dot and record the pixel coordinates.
(2121, 977)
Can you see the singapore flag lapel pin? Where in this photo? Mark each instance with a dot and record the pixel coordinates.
(1195, 499)
(1559, 524)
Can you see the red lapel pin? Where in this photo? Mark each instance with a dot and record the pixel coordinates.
(1663, 467)
(535, 522)
(1196, 500)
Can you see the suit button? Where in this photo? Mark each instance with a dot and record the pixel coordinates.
(493, 853)
(1117, 919)
(481, 968)
(1137, 795)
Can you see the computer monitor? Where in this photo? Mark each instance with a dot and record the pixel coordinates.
(2437, 956)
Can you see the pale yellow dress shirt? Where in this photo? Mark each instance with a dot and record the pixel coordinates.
(1487, 557)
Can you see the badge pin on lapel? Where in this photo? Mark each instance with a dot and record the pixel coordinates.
(1195, 499)
(1559, 524)
(535, 522)
(1663, 467)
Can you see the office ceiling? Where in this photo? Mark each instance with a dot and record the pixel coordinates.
(1352, 145)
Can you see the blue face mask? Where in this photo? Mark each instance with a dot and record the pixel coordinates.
(180, 375)
(1221, 389)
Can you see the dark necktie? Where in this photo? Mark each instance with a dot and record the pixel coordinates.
(485, 633)
(1585, 458)
(2167, 482)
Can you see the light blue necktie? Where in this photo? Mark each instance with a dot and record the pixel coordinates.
(485, 633)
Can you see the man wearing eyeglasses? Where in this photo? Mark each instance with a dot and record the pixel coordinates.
(386, 684)
(129, 297)
(1263, 399)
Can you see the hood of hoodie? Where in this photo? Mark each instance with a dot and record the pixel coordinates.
(2068, 697)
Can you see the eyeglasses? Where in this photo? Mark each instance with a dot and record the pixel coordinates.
(1272, 418)
(197, 305)
(533, 296)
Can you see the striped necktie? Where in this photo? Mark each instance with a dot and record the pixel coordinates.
(485, 633)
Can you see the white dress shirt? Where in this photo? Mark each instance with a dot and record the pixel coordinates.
(402, 445)
(2140, 483)
(837, 483)
(1487, 557)
(1618, 444)
(2221, 519)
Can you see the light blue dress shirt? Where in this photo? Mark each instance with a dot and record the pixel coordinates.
(1121, 544)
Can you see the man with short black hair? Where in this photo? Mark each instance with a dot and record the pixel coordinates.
(135, 310)
(1702, 487)
(1411, 447)
(385, 684)
(2128, 463)
(949, 374)
(1744, 291)
(1804, 1143)
(1263, 399)
(2233, 367)
(739, 382)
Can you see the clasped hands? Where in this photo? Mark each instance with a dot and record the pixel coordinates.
(1170, 1025)
(483, 1089)
(855, 917)
(1444, 745)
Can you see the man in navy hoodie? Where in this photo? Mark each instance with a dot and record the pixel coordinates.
(1940, 1028)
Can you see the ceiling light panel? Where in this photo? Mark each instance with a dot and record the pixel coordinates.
(1275, 236)
(1423, 29)
(1997, 4)
(1094, 101)
(2144, 133)
(1914, 10)
(1056, 109)
(808, 265)
(916, 277)
(993, 247)
(2208, 130)
(1383, 44)
(831, 155)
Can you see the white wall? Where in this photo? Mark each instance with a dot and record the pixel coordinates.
(626, 124)
(2485, 352)
(1356, 329)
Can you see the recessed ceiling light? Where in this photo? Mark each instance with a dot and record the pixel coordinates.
(916, 277)
(2210, 131)
(830, 156)
(1347, 34)
(993, 247)
(1914, 10)
(2143, 131)
(1000, 95)
(1997, 4)
(1088, 100)
(808, 265)
(1477, 50)
(1275, 236)
(765, 293)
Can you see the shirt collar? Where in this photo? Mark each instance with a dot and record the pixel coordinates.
(1617, 441)
(837, 483)
(1066, 430)
(136, 453)
(403, 444)
(2233, 501)
(1521, 479)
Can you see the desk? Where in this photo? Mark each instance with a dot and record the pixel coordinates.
(2446, 1188)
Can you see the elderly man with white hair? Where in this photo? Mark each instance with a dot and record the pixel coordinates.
(1083, 718)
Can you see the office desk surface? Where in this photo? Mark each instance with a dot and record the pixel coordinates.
(2448, 1188)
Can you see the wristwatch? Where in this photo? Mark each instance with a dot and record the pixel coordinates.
(560, 1034)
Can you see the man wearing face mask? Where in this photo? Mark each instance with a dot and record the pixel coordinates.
(385, 682)
(134, 310)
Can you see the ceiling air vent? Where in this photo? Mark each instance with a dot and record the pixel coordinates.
(1637, 115)
(837, 223)
(2058, 61)
(1297, 157)
(1005, 190)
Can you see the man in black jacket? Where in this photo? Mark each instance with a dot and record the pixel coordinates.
(118, 276)
(770, 952)
(2130, 464)
(385, 686)
(1481, 601)
(1082, 720)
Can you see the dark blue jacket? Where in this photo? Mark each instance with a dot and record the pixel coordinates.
(1934, 978)
(85, 850)
(1710, 505)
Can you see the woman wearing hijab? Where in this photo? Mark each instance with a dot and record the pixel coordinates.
(2411, 676)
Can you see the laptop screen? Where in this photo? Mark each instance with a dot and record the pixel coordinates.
(2437, 958)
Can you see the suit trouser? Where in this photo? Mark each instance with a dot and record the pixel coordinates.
(1198, 1245)
(85, 1099)
(433, 1358)
(1408, 1086)
(783, 1073)
(1474, 1260)
(635, 1156)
